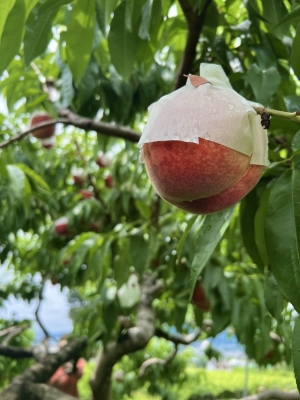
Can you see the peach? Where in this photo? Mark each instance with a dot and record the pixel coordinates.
(199, 298)
(61, 226)
(202, 178)
(45, 132)
(86, 194)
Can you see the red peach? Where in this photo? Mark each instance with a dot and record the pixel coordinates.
(78, 176)
(109, 182)
(61, 226)
(199, 298)
(201, 178)
(86, 194)
(103, 160)
(45, 132)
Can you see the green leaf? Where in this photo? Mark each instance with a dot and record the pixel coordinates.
(146, 18)
(189, 226)
(121, 43)
(80, 36)
(292, 16)
(221, 320)
(292, 102)
(129, 14)
(274, 11)
(110, 315)
(19, 190)
(30, 4)
(50, 5)
(5, 7)
(37, 34)
(122, 262)
(295, 55)
(296, 351)
(259, 224)
(273, 298)
(12, 34)
(264, 83)
(210, 233)
(139, 253)
(67, 90)
(296, 142)
(38, 180)
(143, 208)
(248, 210)
(282, 233)
(104, 10)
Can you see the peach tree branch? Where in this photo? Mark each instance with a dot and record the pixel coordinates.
(295, 116)
(153, 361)
(118, 131)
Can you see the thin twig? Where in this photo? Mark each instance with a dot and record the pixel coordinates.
(178, 338)
(13, 333)
(30, 130)
(295, 116)
(13, 328)
(195, 23)
(152, 361)
(47, 336)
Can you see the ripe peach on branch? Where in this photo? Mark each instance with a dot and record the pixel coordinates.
(203, 146)
(44, 132)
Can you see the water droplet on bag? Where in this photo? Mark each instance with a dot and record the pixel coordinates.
(206, 137)
(220, 214)
(196, 130)
(208, 228)
(230, 106)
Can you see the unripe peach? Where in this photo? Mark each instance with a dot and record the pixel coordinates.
(45, 132)
(201, 178)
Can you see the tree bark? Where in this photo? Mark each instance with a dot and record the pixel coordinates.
(137, 338)
(34, 391)
(23, 386)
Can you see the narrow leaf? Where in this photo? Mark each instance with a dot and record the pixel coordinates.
(104, 9)
(296, 351)
(80, 36)
(213, 228)
(146, 17)
(294, 15)
(121, 43)
(295, 55)
(12, 34)
(5, 7)
(282, 233)
(259, 223)
(37, 34)
(50, 5)
(248, 210)
(189, 226)
(129, 14)
(273, 298)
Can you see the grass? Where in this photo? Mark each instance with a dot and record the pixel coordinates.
(202, 382)
(215, 382)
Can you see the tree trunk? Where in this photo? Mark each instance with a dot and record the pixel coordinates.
(136, 339)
